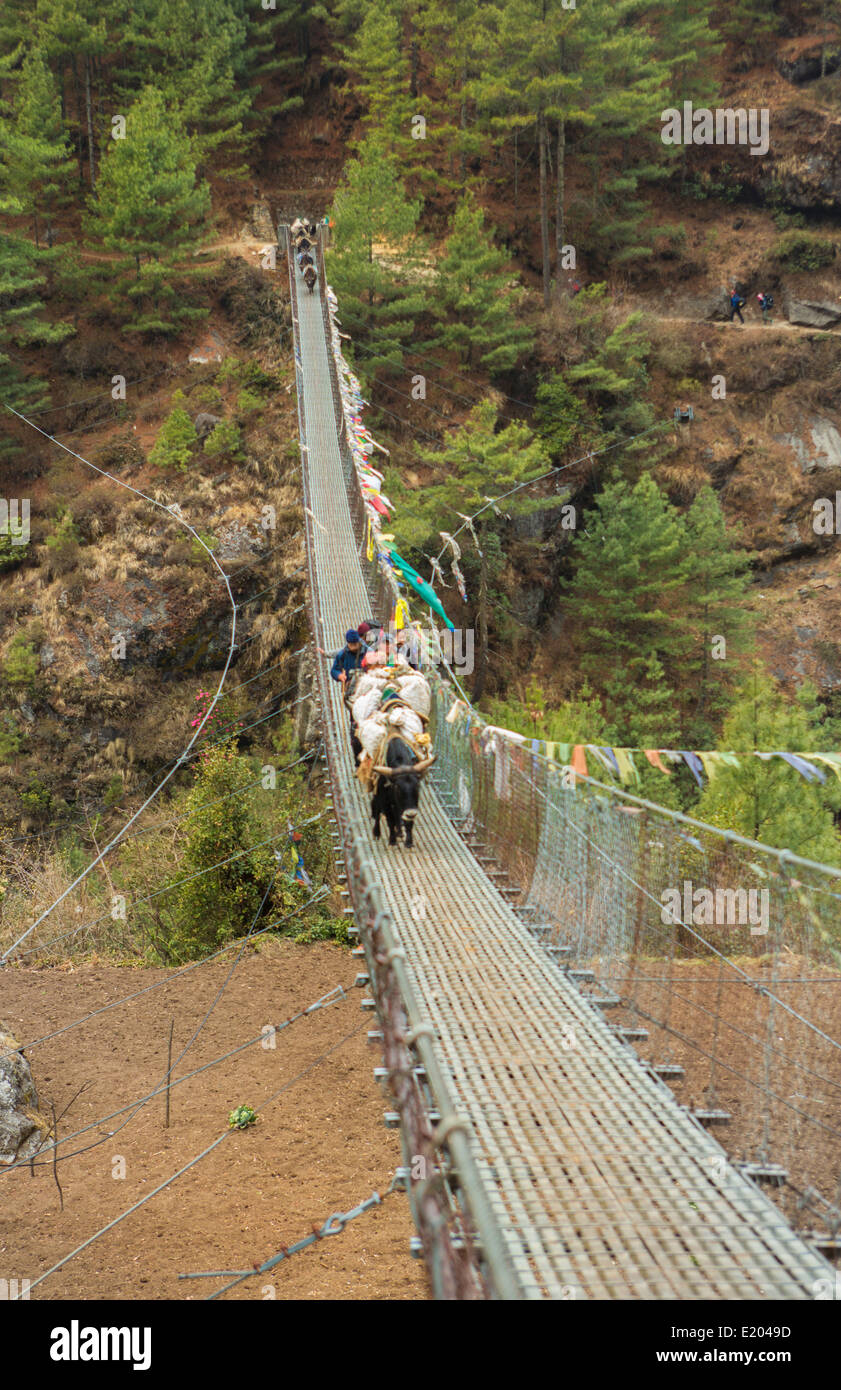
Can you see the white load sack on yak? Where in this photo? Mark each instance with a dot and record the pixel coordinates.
(399, 719)
(414, 689)
(371, 733)
(366, 698)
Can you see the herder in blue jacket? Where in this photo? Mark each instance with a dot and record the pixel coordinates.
(349, 658)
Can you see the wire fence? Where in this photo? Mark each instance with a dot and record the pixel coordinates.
(719, 957)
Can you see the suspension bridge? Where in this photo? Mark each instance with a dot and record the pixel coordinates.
(548, 1160)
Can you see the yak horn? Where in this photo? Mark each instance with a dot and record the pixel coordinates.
(384, 771)
(427, 762)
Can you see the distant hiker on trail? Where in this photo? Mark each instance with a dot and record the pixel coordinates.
(574, 288)
(737, 304)
(765, 303)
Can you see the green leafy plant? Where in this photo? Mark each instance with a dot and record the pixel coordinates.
(249, 403)
(21, 664)
(115, 790)
(198, 555)
(11, 555)
(224, 439)
(9, 737)
(36, 799)
(803, 250)
(63, 544)
(176, 441)
(242, 1117)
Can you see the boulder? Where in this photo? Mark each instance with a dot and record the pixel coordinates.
(821, 451)
(708, 307)
(813, 313)
(205, 423)
(260, 223)
(23, 1131)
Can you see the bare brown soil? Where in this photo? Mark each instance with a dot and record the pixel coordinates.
(320, 1147)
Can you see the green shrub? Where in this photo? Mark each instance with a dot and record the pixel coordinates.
(244, 374)
(36, 799)
(176, 441)
(331, 929)
(198, 555)
(249, 403)
(11, 555)
(114, 793)
(21, 664)
(224, 439)
(707, 185)
(223, 903)
(9, 737)
(63, 545)
(803, 250)
(208, 397)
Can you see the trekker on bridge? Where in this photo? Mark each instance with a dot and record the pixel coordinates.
(407, 646)
(370, 632)
(349, 658)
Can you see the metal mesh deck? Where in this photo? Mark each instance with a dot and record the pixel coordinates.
(602, 1186)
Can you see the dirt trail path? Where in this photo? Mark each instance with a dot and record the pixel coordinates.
(320, 1148)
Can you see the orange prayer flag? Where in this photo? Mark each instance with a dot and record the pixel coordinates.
(653, 755)
(579, 762)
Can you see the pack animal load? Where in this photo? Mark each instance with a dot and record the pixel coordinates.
(390, 708)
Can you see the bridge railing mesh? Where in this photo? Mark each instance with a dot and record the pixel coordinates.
(718, 957)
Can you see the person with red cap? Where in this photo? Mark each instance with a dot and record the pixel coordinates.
(370, 632)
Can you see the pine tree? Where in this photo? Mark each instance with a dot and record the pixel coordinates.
(717, 583)
(530, 82)
(768, 800)
(624, 600)
(459, 37)
(381, 300)
(577, 720)
(379, 72)
(74, 33)
(37, 157)
(20, 322)
(197, 57)
(23, 275)
(614, 376)
(474, 299)
(749, 24)
(691, 46)
(477, 461)
(175, 446)
(624, 80)
(150, 208)
(558, 414)
(276, 48)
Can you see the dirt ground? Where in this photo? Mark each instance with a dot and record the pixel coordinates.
(319, 1148)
